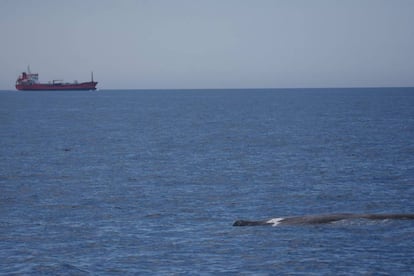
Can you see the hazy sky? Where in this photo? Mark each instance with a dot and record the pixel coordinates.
(210, 43)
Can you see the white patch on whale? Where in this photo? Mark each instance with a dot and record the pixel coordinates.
(274, 221)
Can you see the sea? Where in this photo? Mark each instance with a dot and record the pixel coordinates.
(149, 182)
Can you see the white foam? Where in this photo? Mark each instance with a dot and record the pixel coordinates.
(274, 221)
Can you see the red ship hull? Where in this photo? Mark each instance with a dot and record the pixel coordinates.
(61, 86)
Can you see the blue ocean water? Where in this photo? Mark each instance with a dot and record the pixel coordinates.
(150, 182)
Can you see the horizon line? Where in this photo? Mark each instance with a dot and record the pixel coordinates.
(248, 88)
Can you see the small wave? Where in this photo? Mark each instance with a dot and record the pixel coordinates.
(59, 269)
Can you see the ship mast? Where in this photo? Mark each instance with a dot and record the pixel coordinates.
(91, 76)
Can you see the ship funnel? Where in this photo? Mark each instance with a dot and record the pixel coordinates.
(91, 76)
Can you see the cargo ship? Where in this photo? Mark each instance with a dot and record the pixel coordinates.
(30, 81)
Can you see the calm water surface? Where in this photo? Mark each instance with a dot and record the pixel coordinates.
(150, 182)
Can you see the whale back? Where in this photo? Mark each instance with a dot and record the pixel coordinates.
(321, 219)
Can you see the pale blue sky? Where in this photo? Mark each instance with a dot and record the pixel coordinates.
(210, 43)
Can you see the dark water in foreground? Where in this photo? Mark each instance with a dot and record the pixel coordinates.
(138, 182)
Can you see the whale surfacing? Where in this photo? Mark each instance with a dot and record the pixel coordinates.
(320, 219)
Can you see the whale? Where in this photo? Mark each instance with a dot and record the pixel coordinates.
(321, 219)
